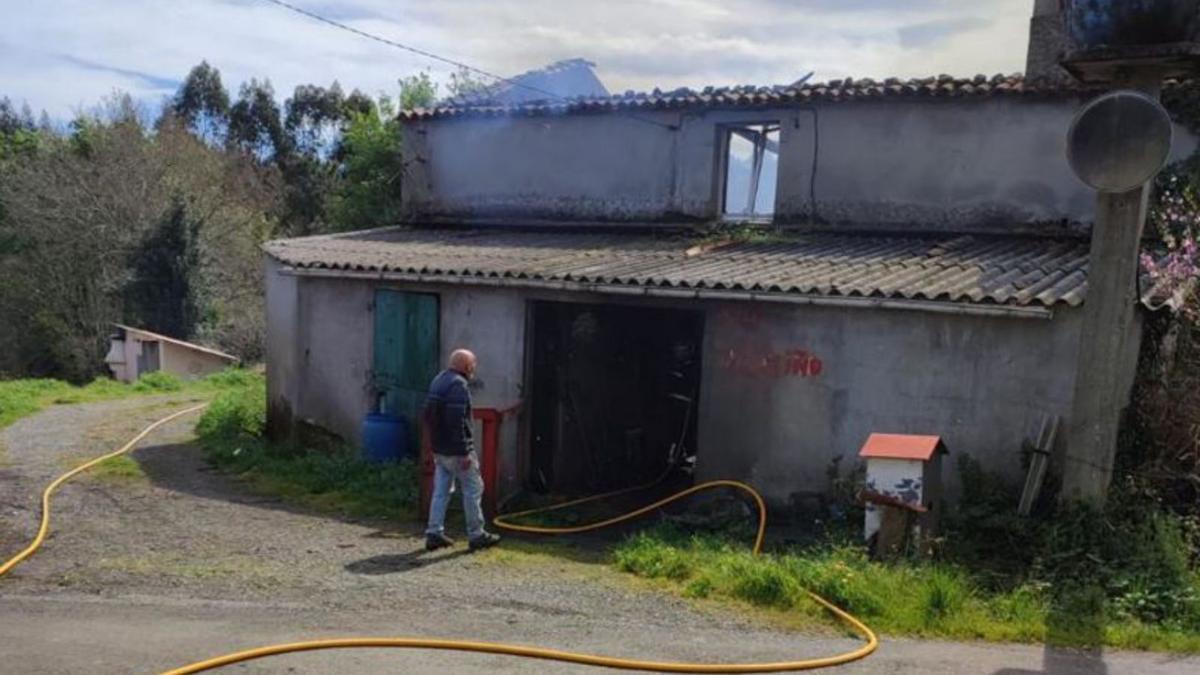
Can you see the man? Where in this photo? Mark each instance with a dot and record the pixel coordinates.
(448, 424)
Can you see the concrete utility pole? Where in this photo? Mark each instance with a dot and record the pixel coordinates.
(1115, 46)
(1108, 324)
(1108, 335)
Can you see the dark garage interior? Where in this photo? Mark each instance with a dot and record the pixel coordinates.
(615, 391)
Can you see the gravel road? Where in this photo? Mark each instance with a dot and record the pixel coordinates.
(142, 574)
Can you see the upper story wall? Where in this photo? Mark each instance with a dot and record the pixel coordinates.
(565, 167)
(975, 164)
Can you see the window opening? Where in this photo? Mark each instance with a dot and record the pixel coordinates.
(751, 171)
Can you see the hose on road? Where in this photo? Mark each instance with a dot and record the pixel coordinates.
(44, 529)
(871, 642)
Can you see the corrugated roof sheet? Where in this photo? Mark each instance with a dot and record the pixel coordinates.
(941, 87)
(1010, 270)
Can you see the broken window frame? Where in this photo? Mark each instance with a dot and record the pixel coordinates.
(757, 133)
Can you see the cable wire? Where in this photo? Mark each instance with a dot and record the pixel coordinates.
(407, 48)
(430, 55)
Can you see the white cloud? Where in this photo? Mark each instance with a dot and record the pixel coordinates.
(63, 54)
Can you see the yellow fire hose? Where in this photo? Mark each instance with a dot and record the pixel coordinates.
(45, 527)
(872, 642)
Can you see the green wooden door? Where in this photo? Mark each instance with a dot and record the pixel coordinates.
(406, 352)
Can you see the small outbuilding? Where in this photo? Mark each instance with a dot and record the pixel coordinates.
(135, 352)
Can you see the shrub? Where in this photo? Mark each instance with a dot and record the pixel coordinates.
(158, 381)
(764, 581)
(327, 475)
(232, 378)
(241, 411)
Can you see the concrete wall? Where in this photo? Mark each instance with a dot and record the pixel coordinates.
(977, 382)
(491, 322)
(334, 358)
(592, 166)
(189, 363)
(1048, 42)
(284, 375)
(785, 390)
(987, 164)
(320, 352)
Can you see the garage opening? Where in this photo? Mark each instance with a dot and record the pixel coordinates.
(615, 392)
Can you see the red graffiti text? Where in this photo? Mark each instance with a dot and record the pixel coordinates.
(793, 363)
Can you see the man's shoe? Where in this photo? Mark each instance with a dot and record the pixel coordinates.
(483, 541)
(435, 541)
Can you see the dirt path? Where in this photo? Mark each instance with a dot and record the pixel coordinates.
(146, 572)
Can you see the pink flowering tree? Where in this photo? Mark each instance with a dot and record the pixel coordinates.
(1172, 262)
(1167, 401)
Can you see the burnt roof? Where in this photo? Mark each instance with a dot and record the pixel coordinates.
(843, 90)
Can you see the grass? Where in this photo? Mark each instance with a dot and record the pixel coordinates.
(921, 599)
(119, 469)
(325, 475)
(21, 398)
(1157, 606)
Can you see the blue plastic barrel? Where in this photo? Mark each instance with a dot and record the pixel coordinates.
(385, 438)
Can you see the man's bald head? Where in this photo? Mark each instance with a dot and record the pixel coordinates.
(463, 361)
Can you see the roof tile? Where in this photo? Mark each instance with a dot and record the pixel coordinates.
(943, 86)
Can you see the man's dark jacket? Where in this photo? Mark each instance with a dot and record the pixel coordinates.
(448, 414)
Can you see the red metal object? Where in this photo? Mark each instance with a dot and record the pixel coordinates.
(489, 460)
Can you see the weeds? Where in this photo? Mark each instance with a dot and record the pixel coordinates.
(122, 468)
(922, 598)
(326, 476)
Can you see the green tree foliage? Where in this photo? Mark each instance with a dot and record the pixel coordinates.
(372, 159)
(115, 221)
(417, 91)
(202, 104)
(373, 167)
(313, 118)
(255, 123)
(160, 294)
(118, 217)
(463, 82)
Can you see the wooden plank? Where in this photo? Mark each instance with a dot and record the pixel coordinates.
(1038, 463)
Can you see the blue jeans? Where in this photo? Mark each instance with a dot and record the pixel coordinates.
(464, 469)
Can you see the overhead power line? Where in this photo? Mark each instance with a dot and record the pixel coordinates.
(398, 45)
(430, 55)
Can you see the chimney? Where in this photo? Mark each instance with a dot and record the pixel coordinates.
(1047, 42)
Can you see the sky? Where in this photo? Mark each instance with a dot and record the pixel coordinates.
(63, 56)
